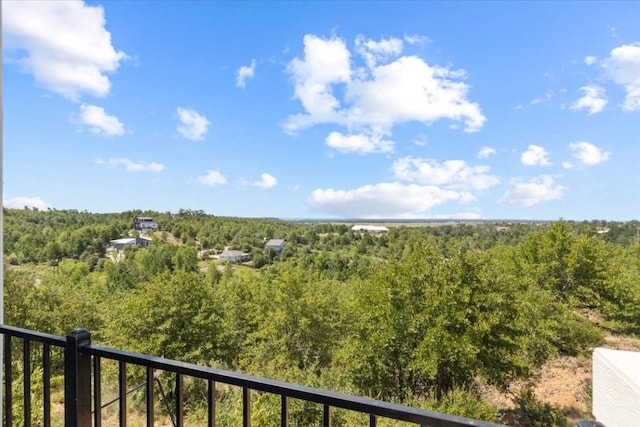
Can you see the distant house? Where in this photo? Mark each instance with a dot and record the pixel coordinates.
(119, 245)
(275, 244)
(144, 223)
(502, 228)
(233, 256)
(373, 229)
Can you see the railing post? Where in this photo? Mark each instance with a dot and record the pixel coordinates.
(77, 380)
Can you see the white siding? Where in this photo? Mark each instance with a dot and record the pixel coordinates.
(616, 387)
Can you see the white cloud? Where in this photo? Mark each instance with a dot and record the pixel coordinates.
(593, 99)
(325, 63)
(623, 67)
(384, 200)
(245, 72)
(131, 166)
(485, 152)
(211, 178)
(539, 100)
(373, 52)
(417, 39)
(590, 60)
(451, 173)
(266, 181)
(192, 125)
(409, 89)
(535, 156)
(567, 165)
(536, 190)
(63, 44)
(359, 143)
(30, 202)
(98, 121)
(588, 154)
(371, 100)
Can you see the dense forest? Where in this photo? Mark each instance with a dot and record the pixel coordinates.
(425, 315)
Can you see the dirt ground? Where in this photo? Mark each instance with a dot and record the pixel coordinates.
(564, 381)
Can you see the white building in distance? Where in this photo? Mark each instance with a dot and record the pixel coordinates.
(372, 229)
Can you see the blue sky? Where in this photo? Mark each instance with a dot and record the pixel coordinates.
(521, 110)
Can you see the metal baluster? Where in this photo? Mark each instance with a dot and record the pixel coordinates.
(326, 416)
(46, 383)
(26, 382)
(284, 411)
(179, 401)
(122, 393)
(150, 397)
(211, 403)
(97, 392)
(246, 407)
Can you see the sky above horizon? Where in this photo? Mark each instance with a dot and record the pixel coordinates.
(487, 110)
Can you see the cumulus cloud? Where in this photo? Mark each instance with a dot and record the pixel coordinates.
(623, 67)
(384, 200)
(325, 63)
(98, 121)
(245, 72)
(450, 173)
(266, 181)
(192, 125)
(593, 99)
(529, 193)
(63, 44)
(30, 202)
(130, 166)
(485, 152)
(211, 178)
(588, 154)
(535, 156)
(375, 51)
(371, 100)
(359, 143)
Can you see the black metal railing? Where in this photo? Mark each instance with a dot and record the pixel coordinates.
(82, 365)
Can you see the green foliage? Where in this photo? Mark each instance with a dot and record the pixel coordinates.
(172, 316)
(421, 315)
(531, 412)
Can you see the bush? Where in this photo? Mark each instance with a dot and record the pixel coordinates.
(530, 412)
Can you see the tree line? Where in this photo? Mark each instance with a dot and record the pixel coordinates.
(423, 315)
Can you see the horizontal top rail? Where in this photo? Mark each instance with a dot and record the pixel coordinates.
(28, 334)
(321, 396)
(363, 405)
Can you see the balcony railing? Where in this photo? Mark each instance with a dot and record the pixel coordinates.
(83, 380)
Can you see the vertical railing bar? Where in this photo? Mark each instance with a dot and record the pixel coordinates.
(150, 397)
(284, 411)
(122, 393)
(246, 407)
(97, 392)
(46, 384)
(211, 403)
(326, 416)
(179, 401)
(26, 382)
(8, 382)
(372, 420)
